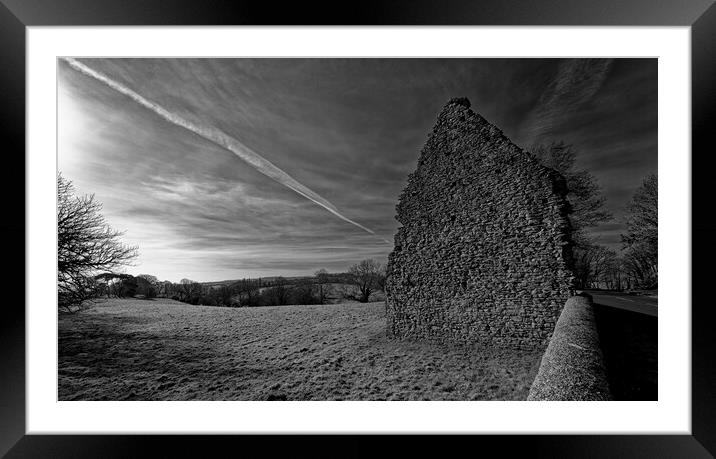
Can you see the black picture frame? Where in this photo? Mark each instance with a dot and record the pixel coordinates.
(16, 15)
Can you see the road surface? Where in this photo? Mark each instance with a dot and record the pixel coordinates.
(635, 303)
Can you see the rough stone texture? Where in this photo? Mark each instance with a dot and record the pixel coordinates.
(483, 252)
(573, 367)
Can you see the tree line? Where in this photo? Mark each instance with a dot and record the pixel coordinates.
(90, 252)
(360, 283)
(635, 264)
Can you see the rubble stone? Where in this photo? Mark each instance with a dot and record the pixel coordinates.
(483, 253)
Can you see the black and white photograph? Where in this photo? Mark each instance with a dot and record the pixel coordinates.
(357, 229)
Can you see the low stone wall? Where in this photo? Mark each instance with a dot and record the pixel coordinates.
(573, 367)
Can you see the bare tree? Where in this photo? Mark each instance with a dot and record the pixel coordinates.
(149, 278)
(224, 296)
(642, 221)
(148, 285)
(249, 291)
(189, 291)
(640, 268)
(366, 277)
(165, 288)
(304, 291)
(611, 275)
(591, 263)
(583, 192)
(86, 246)
(278, 294)
(104, 283)
(128, 286)
(321, 280)
(641, 241)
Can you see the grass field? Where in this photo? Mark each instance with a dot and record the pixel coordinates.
(166, 350)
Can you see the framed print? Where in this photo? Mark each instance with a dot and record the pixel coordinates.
(410, 219)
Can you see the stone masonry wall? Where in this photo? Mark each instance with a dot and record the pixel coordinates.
(573, 367)
(483, 252)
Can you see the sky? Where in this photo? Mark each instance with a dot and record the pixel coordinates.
(229, 168)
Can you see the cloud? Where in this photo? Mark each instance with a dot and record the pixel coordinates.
(222, 139)
(351, 128)
(576, 82)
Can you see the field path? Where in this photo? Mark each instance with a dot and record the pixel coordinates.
(166, 350)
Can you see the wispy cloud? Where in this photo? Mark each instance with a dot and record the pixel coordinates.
(222, 139)
(351, 129)
(576, 82)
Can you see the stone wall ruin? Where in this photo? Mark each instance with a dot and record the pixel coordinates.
(483, 253)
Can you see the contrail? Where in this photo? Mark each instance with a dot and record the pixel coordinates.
(222, 139)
